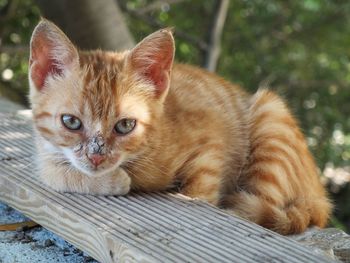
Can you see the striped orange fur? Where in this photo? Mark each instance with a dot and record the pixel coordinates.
(194, 131)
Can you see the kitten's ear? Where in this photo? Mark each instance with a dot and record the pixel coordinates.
(51, 53)
(153, 58)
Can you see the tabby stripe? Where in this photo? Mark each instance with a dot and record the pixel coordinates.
(260, 140)
(42, 115)
(290, 159)
(223, 98)
(267, 171)
(274, 129)
(274, 196)
(286, 149)
(280, 161)
(271, 108)
(45, 130)
(266, 119)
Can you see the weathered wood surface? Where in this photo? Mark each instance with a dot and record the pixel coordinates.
(139, 227)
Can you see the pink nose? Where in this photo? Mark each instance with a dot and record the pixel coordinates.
(96, 159)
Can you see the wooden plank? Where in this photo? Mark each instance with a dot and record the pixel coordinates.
(140, 227)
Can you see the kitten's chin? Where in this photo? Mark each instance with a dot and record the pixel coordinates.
(97, 172)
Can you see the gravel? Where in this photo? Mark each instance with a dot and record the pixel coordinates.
(35, 244)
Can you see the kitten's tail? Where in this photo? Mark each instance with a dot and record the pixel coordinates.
(292, 218)
(279, 188)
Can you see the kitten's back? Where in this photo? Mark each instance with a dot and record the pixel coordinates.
(271, 177)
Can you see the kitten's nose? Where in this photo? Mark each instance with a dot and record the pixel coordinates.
(96, 159)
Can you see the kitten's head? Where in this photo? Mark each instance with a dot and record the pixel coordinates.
(97, 110)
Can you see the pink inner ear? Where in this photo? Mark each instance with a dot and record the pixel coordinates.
(158, 74)
(41, 63)
(153, 58)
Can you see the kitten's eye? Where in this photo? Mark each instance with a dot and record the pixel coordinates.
(71, 122)
(124, 126)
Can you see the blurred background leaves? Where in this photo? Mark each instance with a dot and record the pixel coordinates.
(300, 49)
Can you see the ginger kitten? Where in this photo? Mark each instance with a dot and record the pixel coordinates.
(109, 122)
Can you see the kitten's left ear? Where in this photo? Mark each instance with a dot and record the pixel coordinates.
(153, 59)
(51, 53)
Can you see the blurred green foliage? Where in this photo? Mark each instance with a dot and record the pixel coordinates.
(301, 49)
(17, 19)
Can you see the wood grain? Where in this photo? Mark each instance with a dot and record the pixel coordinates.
(140, 227)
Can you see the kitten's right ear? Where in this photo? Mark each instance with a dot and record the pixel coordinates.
(51, 53)
(153, 59)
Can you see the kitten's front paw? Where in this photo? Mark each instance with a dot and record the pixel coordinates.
(120, 184)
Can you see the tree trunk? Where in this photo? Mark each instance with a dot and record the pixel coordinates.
(90, 24)
(215, 35)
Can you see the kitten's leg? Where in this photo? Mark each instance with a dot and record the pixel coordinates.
(280, 188)
(116, 184)
(204, 176)
(63, 180)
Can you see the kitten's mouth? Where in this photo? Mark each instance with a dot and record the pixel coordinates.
(94, 171)
(101, 171)
(93, 166)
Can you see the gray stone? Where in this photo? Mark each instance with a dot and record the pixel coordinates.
(333, 242)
